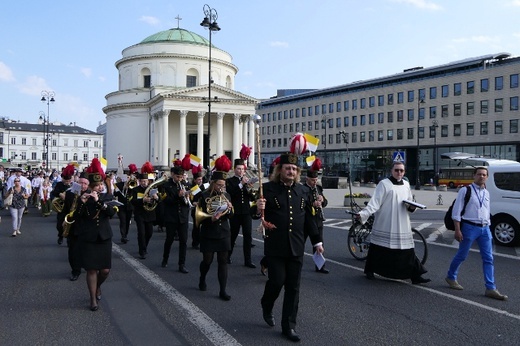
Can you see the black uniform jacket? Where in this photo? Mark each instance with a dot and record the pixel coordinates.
(93, 219)
(119, 193)
(175, 208)
(289, 209)
(240, 197)
(218, 229)
(137, 202)
(316, 211)
(71, 199)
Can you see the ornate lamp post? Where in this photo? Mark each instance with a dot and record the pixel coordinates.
(209, 22)
(48, 97)
(418, 182)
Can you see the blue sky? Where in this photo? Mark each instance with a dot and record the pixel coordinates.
(70, 47)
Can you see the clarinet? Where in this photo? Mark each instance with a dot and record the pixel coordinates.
(320, 209)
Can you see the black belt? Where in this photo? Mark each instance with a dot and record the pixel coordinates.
(473, 223)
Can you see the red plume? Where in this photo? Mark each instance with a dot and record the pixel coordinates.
(177, 163)
(95, 167)
(147, 168)
(223, 164)
(68, 171)
(316, 165)
(276, 161)
(298, 144)
(196, 169)
(132, 168)
(186, 162)
(245, 152)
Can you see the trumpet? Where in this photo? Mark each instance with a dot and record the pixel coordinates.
(316, 196)
(186, 198)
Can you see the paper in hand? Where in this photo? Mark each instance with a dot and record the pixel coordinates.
(221, 209)
(113, 203)
(415, 204)
(75, 188)
(318, 259)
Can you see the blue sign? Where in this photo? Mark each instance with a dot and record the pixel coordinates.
(399, 156)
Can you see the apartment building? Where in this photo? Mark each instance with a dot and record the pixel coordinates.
(469, 105)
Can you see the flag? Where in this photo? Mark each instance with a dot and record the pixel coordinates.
(195, 161)
(195, 190)
(211, 164)
(312, 142)
(310, 160)
(103, 162)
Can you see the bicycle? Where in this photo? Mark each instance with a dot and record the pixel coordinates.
(358, 239)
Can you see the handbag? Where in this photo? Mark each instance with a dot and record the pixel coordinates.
(8, 200)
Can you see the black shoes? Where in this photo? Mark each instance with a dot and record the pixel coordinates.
(250, 265)
(74, 277)
(94, 308)
(60, 240)
(420, 280)
(202, 284)
(229, 261)
(370, 276)
(224, 296)
(124, 240)
(323, 270)
(291, 335)
(183, 269)
(164, 264)
(263, 270)
(142, 255)
(268, 318)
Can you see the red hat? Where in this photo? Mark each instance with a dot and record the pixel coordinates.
(132, 168)
(68, 172)
(146, 170)
(222, 166)
(96, 174)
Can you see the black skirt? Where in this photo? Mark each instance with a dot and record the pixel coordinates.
(96, 255)
(393, 263)
(215, 245)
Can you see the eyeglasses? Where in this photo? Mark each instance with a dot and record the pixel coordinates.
(17, 181)
(399, 170)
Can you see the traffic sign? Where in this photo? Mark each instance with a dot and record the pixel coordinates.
(399, 156)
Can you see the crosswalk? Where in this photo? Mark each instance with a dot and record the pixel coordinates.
(346, 223)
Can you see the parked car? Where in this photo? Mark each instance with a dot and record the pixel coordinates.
(503, 185)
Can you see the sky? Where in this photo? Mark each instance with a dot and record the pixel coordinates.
(70, 47)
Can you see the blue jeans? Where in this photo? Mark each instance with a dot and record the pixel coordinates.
(482, 235)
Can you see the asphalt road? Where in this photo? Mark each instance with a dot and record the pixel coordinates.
(144, 304)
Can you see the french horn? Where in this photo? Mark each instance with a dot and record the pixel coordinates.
(57, 204)
(213, 204)
(149, 206)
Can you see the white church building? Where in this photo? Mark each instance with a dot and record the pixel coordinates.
(160, 110)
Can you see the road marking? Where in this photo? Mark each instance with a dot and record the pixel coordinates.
(216, 334)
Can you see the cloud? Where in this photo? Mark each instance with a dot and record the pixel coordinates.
(6, 75)
(422, 4)
(33, 86)
(153, 21)
(279, 44)
(515, 3)
(86, 71)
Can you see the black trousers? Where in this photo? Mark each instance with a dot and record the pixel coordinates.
(144, 234)
(125, 216)
(181, 230)
(195, 231)
(74, 254)
(283, 272)
(244, 221)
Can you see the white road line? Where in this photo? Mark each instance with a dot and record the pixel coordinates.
(216, 334)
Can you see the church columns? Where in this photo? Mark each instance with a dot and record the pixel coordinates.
(245, 118)
(162, 150)
(236, 136)
(182, 136)
(200, 135)
(252, 137)
(220, 134)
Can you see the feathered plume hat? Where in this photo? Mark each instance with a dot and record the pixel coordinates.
(95, 172)
(177, 167)
(245, 152)
(197, 171)
(222, 166)
(313, 171)
(132, 168)
(68, 172)
(147, 171)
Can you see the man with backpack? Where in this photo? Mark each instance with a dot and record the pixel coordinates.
(473, 225)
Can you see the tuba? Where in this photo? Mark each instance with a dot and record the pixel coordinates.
(149, 206)
(57, 204)
(213, 204)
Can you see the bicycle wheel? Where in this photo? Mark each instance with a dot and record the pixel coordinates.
(358, 241)
(421, 247)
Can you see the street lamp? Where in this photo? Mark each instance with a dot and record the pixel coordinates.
(48, 97)
(435, 125)
(418, 182)
(209, 22)
(325, 124)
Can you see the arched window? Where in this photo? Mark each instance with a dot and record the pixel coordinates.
(229, 85)
(192, 78)
(147, 78)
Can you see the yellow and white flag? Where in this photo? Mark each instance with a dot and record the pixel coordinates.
(195, 160)
(312, 142)
(310, 160)
(103, 162)
(195, 190)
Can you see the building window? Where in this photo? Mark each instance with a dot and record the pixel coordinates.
(316, 125)
(409, 133)
(362, 136)
(513, 103)
(354, 104)
(513, 126)
(331, 108)
(400, 134)
(400, 115)
(499, 105)
(362, 120)
(457, 109)
(354, 137)
(323, 109)
(34, 156)
(316, 110)
(24, 141)
(304, 112)
(433, 93)
(303, 126)
(13, 140)
(381, 100)
(285, 128)
(354, 120)
(389, 135)
(345, 105)
(191, 81)
(421, 132)
(338, 122)
(484, 85)
(444, 111)
(457, 89)
(484, 128)
(470, 129)
(291, 128)
(445, 90)
(291, 113)
(444, 131)
(499, 83)
(371, 118)
(470, 108)
(380, 118)
(345, 121)
(147, 82)
(411, 95)
(338, 106)
(297, 113)
(484, 106)
(390, 99)
(433, 112)
(380, 135)
(471, 87)
(513, 81)
(372, 101)
(456, 130)
(390, 117)
(309, 124)
(498, 127)
(400, 97)
(310, 111)
(421, 94)
(362, 103)
(285, 114)
(34, 141)
(410, 114)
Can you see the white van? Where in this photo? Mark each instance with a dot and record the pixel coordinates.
(503, 185)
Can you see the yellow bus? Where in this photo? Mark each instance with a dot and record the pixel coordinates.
(456, 176)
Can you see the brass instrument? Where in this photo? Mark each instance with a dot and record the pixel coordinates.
(57, 204)
(213, 203)
(315, 195)
(149, 206)
(68, 221)
(186, 198)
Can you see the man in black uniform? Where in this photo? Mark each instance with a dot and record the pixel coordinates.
(176, 216)
(59, 192)
(287, 206)
(318, 203)
(198, 179)
(241, 194)
(123, 192)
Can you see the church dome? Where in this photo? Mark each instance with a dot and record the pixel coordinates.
(176, 35)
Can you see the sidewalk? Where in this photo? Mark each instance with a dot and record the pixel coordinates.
(429, 198)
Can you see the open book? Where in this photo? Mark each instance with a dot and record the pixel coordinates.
(415, 204)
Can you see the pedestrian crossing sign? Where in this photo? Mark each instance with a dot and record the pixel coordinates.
(399, 156)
